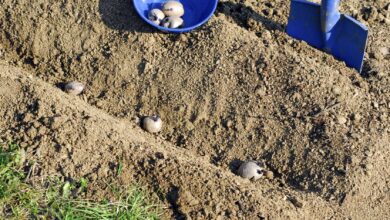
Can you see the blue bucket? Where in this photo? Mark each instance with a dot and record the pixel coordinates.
(196, 13)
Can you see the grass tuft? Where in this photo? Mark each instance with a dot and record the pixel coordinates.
(19, 200)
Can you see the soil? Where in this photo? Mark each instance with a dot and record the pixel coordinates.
(236, 89)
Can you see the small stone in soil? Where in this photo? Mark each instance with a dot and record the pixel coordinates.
(336, 90)
(356, 117)
(269, 174)
(384, 50)
(341, 119)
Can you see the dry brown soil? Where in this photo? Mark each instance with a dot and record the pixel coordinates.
(236, 89)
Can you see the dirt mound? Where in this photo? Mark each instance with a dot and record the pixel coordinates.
(238, 88)
(82, 141)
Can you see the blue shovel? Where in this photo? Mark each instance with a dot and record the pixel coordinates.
(322, 26)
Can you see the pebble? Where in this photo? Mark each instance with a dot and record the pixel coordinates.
(368, 166)
(357, 117)
(341, 119)
(378, 55)
(183, 38)
(336, 90)
(100, 103)
(189, 126)
(36, 124)
(229, 123)
(355, 135)
(23, 156)
(41, 130)
(269, 174)
(262, 91)
(384, 51)
(83, 58)
(74, 88)
(355, 13)
(32, 132)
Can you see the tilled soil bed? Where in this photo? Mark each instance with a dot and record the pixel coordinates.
(236, 89)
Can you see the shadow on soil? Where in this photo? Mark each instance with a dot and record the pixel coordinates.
(234, 165)
(367, 70)
(172, 197)
(242, 14)
(120, 15)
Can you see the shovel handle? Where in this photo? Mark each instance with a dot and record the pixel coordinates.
(329, 14)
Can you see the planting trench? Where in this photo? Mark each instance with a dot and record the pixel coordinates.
(236, 89)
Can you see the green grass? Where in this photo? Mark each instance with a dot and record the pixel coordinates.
(59, 200)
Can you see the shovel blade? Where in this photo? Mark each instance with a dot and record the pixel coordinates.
(347, 40)
(304, 22)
